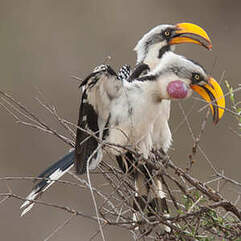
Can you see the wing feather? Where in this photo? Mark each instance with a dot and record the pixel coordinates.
(100, 89)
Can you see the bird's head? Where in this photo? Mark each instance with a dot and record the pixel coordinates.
(162, 38)
(178, 76)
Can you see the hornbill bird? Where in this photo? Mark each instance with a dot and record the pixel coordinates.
(130, 113)
(150, 50)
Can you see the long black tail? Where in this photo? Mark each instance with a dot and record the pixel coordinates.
(49, 176)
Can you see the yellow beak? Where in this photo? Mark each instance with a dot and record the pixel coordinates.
(213, 94)
(191, 33)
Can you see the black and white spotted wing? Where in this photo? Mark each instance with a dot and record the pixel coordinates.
(124, 72)
(85, 144)
(139, 70)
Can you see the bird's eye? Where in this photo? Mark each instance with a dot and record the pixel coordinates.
(197, 77)
(167, 33)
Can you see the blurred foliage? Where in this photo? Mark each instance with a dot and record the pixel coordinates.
(208, 225)
(236, 104)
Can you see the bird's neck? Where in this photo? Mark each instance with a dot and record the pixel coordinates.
(152, 56)
(155, 53)
(154, 88)
(148, 90)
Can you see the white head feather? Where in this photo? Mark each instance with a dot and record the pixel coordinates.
(170, 59)
(141, 46)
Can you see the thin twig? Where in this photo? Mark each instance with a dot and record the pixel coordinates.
(92, 193)
(67, 209)
(59, 228)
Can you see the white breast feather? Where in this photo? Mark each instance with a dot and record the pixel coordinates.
(134, 129)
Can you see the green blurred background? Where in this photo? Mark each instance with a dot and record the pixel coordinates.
(44, 42)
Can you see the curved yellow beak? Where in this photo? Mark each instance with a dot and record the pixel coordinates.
(213, 94)
(191, 33)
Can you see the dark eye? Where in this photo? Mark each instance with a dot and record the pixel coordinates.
(196, 77)
(167, 33)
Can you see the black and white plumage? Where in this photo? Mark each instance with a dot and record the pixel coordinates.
(150, 49)
(144, 97)
(124, 72)
(94, 113)
(130, 112)
(88, 121)
(149, 52)
(47, 178)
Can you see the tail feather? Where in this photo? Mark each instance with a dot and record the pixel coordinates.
(50, 175)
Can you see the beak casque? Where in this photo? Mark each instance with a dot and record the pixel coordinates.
(191, 33)
(213, 94)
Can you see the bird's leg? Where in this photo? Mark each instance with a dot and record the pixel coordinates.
(158, 203)
(141, 187)
(127, 163)
(140, 202)
(158, 196)
(122, 163)
(160, 156)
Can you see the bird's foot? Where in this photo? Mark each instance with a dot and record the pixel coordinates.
(158, 207)
(160, 155)
(142, 225)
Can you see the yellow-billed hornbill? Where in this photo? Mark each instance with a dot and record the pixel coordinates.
(131, 110)
(150, 50)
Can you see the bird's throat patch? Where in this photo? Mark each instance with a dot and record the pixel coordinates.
(177, 89)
